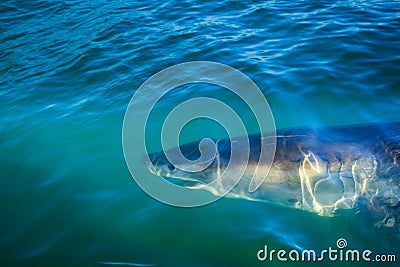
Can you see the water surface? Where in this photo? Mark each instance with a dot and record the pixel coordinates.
(68, 70)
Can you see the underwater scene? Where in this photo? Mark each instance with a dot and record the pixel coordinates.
(69, 75)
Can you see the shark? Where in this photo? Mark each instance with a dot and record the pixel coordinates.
(315, 169)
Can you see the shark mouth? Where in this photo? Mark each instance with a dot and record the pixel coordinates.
(184, 182)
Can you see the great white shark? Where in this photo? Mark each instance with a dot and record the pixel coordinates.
(317, 169)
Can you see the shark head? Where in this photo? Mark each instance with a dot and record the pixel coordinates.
(211, 166)
(191, 165)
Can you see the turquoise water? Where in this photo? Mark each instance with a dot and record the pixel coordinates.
(68, 70)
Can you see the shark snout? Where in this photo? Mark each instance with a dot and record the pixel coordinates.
(158, 164)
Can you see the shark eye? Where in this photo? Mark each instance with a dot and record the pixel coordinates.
(171, 167)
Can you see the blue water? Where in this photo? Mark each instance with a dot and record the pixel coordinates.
(68, 70)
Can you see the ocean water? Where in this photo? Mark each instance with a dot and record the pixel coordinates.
(68, 70)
